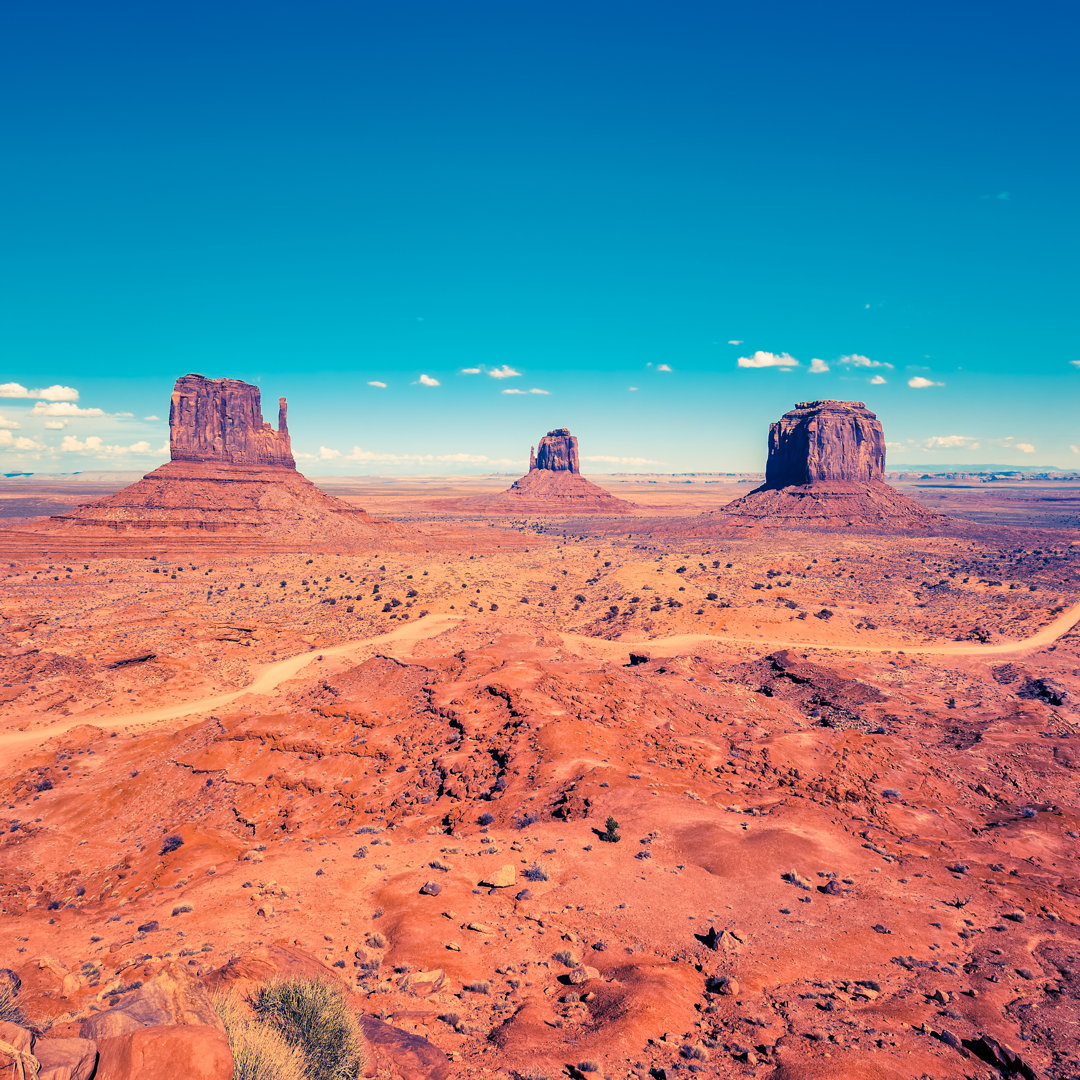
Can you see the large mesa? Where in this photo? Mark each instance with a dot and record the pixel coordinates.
(553, 485)
(826, 469)
(231, 476)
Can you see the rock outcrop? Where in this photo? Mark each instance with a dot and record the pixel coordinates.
(553, 485)
(558, 452)
(231, 476)
(825, 440)
(826, 470)
(220, 420)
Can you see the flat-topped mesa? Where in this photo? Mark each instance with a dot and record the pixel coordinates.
(220, 420)
(558, 452)
(823, 441)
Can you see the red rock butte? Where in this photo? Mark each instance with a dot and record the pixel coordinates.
(826, 469)
(553, 485)
(231, 475)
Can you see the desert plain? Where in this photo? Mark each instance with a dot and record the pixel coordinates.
(844, 764)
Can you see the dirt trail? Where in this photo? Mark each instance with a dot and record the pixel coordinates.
(400, 642)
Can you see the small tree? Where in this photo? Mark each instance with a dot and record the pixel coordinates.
(611, 836)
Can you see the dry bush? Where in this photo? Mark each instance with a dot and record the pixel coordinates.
(259, 1051)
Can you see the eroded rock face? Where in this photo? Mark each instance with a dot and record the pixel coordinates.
(825, 440)
(558, 452)
(220, 420)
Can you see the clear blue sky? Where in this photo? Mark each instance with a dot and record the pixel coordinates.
(320, 196)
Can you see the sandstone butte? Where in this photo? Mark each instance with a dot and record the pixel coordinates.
(231, 477)
(553, 485)
(826, 469)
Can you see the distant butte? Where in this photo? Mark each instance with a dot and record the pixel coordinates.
(553, 485)
(826, 469)
(231, 475)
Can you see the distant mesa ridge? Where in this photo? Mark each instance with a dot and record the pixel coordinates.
(221, 420)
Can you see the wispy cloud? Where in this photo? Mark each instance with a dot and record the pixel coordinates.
(1074, 449)
(95, 446)
(504, 372)
(534, 390)
(611, 459)
(55, 425)
(859, 361)
(818, 367)
(632, 389)
(663, 367)
(471, 370)
(917, 382)
(7, 422)
(427, 380)
(48, 393)
(767, 359)
(735, 342)
(951, 442)
(878, 380)
(63, 408)
(17, 442)
(1075, 363)
(151, 418)
(1025, 448)
(327, 453)
(377, 384)
(382, 457)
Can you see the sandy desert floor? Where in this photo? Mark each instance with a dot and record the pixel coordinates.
(844, 769)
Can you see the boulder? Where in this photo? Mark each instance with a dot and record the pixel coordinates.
(165, 1052)
(65, 1059)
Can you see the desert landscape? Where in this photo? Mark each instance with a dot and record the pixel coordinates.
(717, 777)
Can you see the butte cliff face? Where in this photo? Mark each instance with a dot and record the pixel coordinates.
(231, 477)
(220, 420)
(558, 453)
(826, 470)
(825, 440)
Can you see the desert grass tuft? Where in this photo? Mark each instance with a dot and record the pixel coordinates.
(259, 1051)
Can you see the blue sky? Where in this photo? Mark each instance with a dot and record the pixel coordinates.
(613, 203)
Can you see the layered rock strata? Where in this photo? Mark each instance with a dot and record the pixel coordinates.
(825, 469)
(553, 485)
(231, 476)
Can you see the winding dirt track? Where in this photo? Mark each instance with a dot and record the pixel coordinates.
(401, 642)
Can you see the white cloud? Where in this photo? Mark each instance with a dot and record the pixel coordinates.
(1075, 363)
(56, 425)
(62, 408)
(632, 389)
(611, 459)
(377, 457)
(327, 454)
(427, 380)
(663, 367)
(855, 360)
(739, 342)
(1074, 449)
(1025, 448)
(7, 422)
(376, 383)
(947, 442)
(878, 380)
(17, 442)
(471, 370)
(818, 367)
(49, 393)
(534, 390)
(151, 418)
(95, 445)
(917, 382)
(767, 359)
(504, 372)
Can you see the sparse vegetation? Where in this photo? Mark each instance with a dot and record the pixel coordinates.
(314, 1017)
(259, 1051)
(611, 833)
(171, 843)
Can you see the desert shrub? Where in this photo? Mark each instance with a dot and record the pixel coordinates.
(483, 987)
(611, 835)
(9, 1011)
(535, 873)
(181, 909)
(259, 1051)
(171, 843)
(485, 819)
(315, 1017)
(793, 877)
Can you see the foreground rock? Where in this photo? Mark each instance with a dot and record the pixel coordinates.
(825, 469)
(553, 485)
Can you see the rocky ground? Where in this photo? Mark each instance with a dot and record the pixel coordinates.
(847, 807)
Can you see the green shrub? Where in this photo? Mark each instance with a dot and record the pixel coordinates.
(259, 1051)
(314, 1016)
